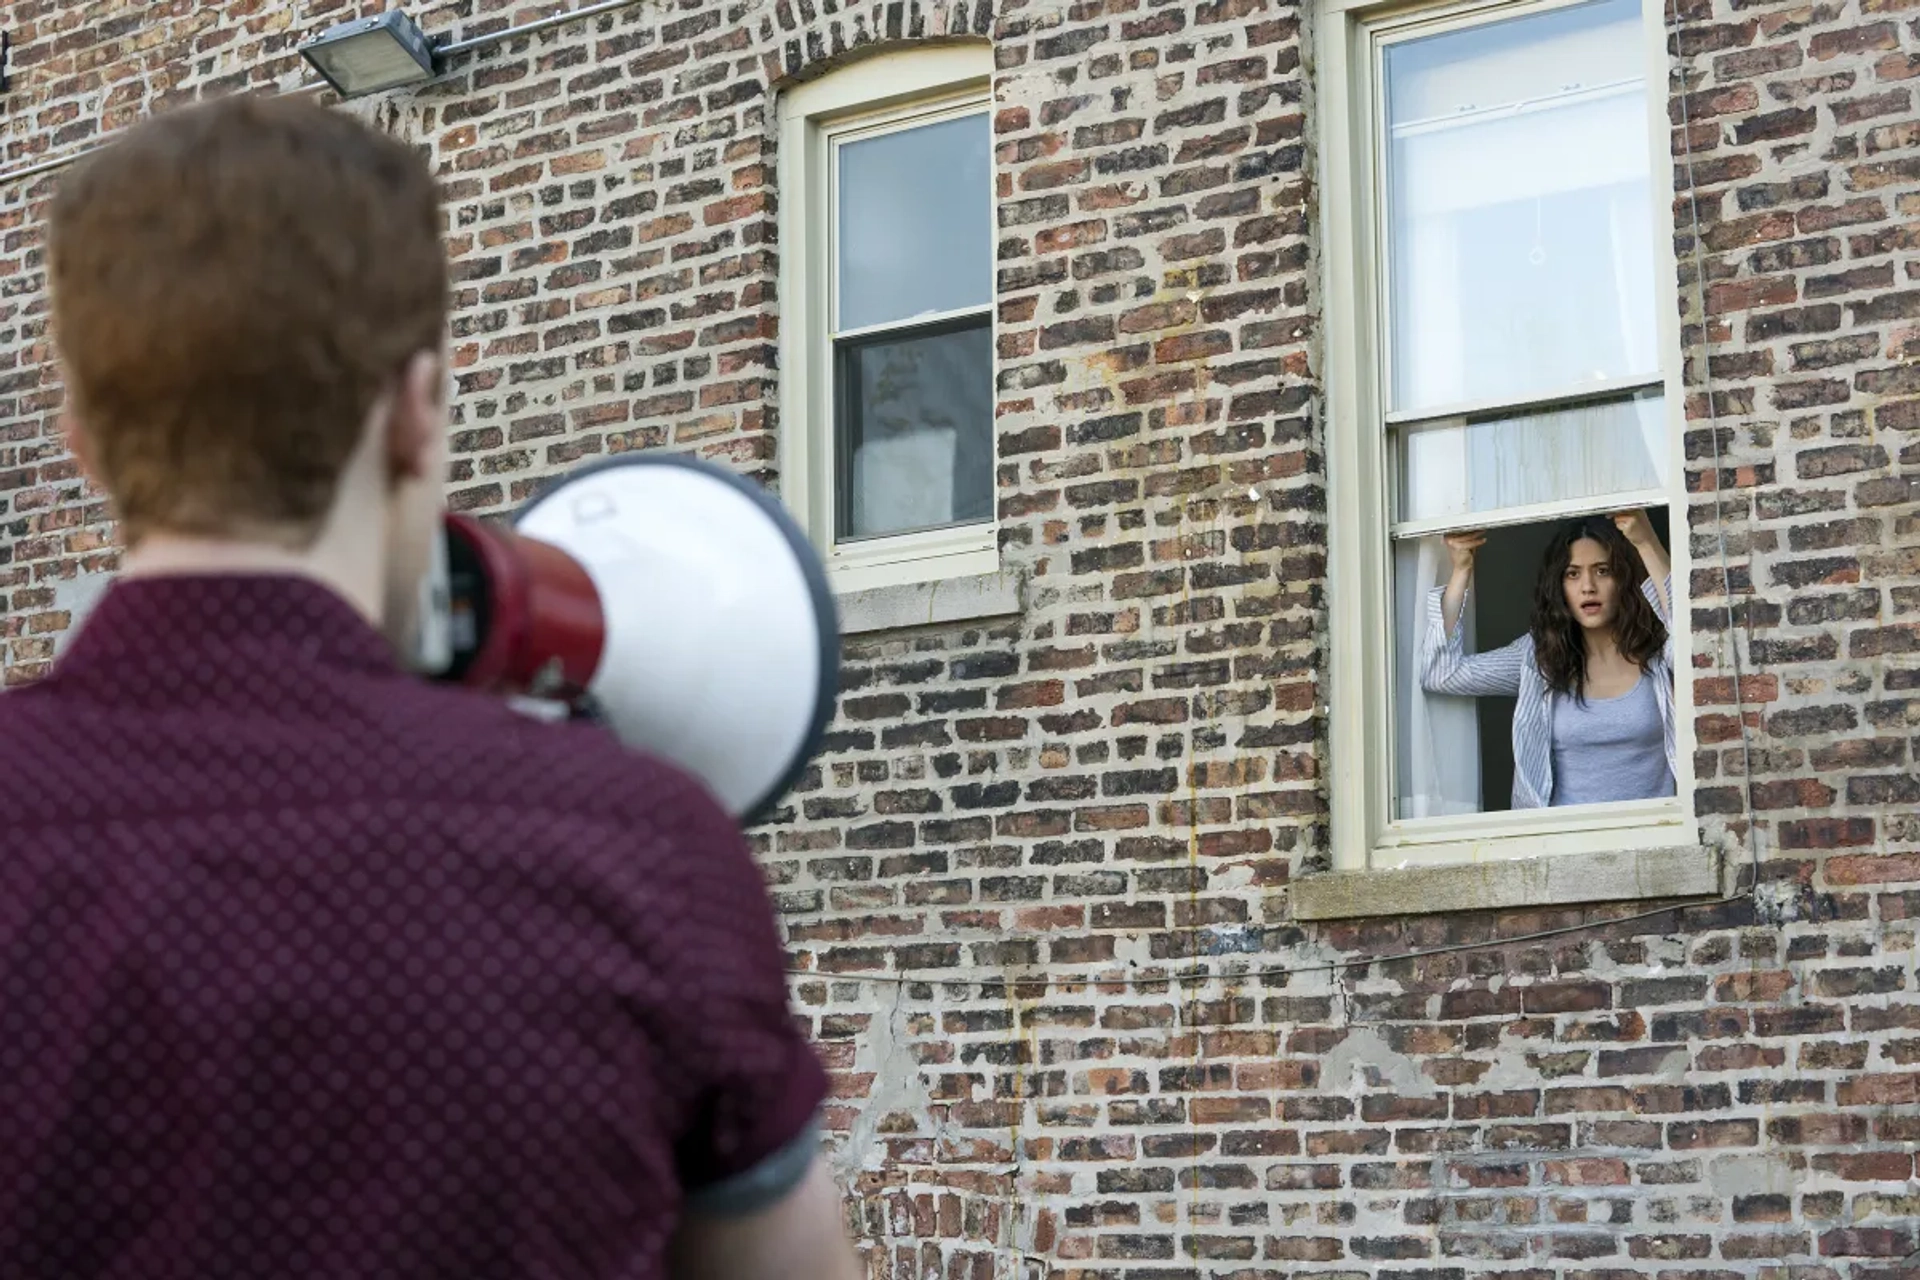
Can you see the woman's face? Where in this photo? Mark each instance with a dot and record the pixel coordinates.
(1592, 590)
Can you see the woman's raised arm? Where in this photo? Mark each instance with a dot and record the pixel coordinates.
(1445, 665)
(1646, 544)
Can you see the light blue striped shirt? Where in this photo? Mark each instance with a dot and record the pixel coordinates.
(1446, 667)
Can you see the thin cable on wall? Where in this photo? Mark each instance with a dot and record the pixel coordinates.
(1672, 28)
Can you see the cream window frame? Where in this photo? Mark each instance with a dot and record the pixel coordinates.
(890, 89)
(1349, 41)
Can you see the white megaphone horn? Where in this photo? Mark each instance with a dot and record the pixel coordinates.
(672, 600)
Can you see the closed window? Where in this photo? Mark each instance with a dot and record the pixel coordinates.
(887, 346)
(912, 342)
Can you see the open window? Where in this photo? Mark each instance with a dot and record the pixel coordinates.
(1454, 755)
(1503, 348)
(886, 283)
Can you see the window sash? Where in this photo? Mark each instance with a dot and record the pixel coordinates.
(1532, 513)
(838, 439)
(1620, 389)
(1380, 133)
(845, 408)
(898, 120)
(1399, 439)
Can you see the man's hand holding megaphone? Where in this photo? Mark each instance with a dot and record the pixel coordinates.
(672, 600)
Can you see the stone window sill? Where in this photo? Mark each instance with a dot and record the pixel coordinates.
(1682, 872)
(926, 604)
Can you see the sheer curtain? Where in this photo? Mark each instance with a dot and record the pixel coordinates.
(1439, 739)
(1521, 265)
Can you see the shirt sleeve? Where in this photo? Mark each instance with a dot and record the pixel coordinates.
(1445, 665)
(1661, 598)
(753, 1081)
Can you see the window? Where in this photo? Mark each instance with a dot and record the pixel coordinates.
(886, 290)
(1503, 349)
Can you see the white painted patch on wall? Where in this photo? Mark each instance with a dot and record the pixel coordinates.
(1347, 1061)
(77, 596)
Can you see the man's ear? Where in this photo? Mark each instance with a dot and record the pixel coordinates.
(418, 418)
(80, 445)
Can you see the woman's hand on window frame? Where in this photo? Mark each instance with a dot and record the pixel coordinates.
(1637, 528)
(1462, 545)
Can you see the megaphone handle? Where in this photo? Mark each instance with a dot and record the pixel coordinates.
(543, 631)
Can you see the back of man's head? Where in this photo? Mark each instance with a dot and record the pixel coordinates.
(235, 285)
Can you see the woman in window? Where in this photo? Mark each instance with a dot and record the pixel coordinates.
(1594, 673)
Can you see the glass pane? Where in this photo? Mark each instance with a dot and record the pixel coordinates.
(1581, 451)
(915, 424)
(1520, 214)
(914, 237)
(1454, 753)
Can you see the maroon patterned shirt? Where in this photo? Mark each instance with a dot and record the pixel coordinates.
(309, 968)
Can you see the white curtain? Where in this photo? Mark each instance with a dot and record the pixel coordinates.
(1439, 739)
(1575, 452)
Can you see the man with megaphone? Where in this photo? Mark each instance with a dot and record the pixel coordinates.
(309, 966)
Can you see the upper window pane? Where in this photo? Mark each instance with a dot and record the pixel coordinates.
(1519, 190)
(913, 235)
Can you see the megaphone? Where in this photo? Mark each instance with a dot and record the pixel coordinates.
(672, 600)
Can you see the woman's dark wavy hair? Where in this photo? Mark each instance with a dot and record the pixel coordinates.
(1558, 645)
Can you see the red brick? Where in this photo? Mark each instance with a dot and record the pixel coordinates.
(1866, 869)
(1880, 1090)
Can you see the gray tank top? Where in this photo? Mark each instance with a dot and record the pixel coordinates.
(1610, 748)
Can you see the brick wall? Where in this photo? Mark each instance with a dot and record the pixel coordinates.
(1037, 884)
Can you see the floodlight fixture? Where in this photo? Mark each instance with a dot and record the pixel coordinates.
(371, 55)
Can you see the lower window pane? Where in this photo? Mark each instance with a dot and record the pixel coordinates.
(1455, 752)
(914, 428)
(1581, 451)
